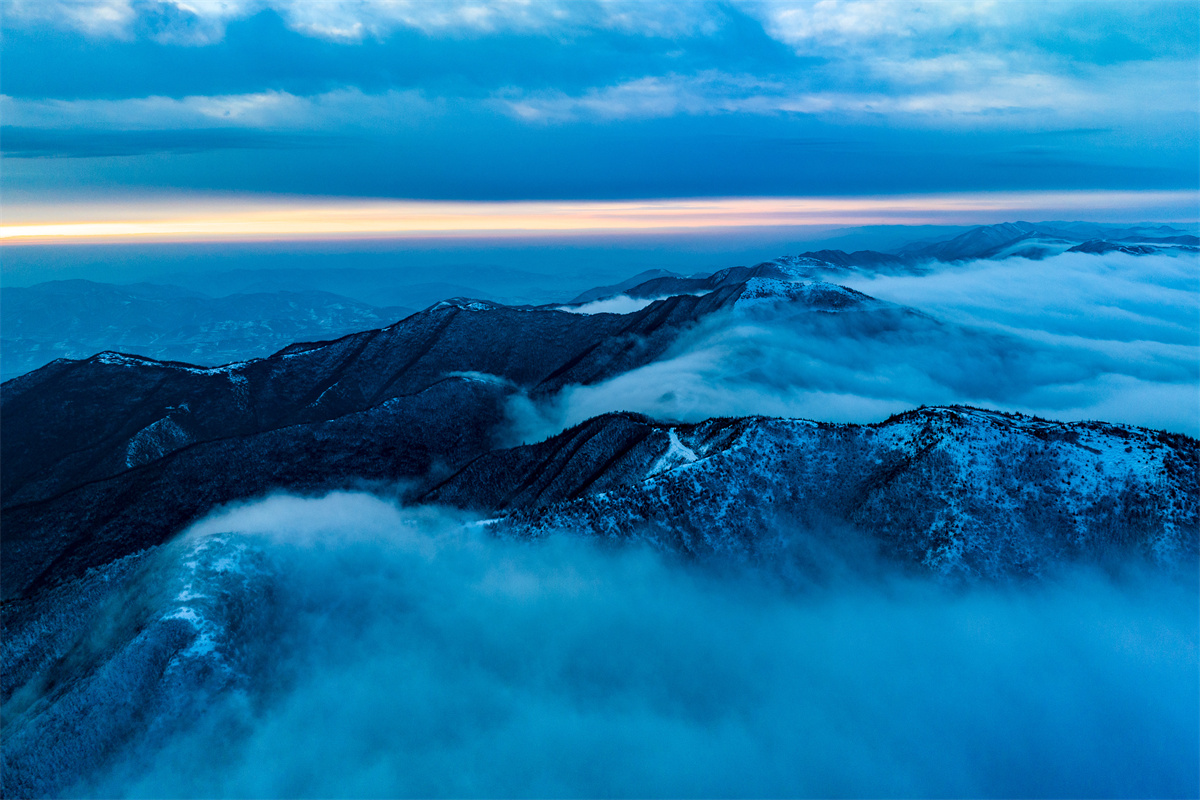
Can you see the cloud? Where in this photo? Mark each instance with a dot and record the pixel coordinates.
(837, 23)
(385, 651)
(978, 57)
(341, 109)
(618, 99)
(100, 18)
(672, 95)
(1072, 337)
(195, 22)
(1084, 32)
(619, 304)
(51, 143)
(1001, 100)
(810, 28)
(957, 89)
(200, 22)
(1116, 303)
(974, 64)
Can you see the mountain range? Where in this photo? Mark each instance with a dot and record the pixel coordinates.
(106, 459)
(260, 312)
(106, 456)
(1006, 240)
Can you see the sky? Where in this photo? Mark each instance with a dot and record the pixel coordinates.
(218, 112)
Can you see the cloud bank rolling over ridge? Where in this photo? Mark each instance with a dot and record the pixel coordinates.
(442, 662)
(1074, 336)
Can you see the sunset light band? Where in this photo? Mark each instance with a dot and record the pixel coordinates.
(235, 218)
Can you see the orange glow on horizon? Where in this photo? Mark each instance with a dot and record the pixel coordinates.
(185, 219)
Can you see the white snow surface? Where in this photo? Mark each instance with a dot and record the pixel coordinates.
(114, 359)
(677, 455)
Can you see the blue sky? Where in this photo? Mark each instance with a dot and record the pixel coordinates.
(601, 100)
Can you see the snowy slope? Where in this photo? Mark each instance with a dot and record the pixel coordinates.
(957, 491)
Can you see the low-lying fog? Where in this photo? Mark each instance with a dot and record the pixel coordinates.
(1076, 336)
(404, 653)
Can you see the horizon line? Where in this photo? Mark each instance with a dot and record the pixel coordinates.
(241, 217)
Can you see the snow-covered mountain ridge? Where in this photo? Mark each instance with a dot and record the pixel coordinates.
(958, 491)
(111, 454)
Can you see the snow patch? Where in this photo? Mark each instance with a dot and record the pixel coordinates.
(154, 441)
(464, 305)
(677, 455)
(114, 359)
(481, 377)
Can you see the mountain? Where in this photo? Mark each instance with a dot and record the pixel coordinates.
(1172, 244)
(273, 308)
(77, 318)
(1186, 239)
(961, 492)
(1006, 240)
(972, 244)
(118, 656)
(603, 292)
(1039, 240)
(103, 456)
(106, 456)
(784, 270)
(119, 632)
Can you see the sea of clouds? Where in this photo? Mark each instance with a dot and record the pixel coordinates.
(349, 646)
(403, 652)
(1073, 337)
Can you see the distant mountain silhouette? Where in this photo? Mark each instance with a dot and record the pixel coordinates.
(77, 318)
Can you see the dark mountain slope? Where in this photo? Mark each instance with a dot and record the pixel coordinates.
(106, 456)
(859, 258)
(602, 292)
(673, 285)
(71, 422)
(58, 537)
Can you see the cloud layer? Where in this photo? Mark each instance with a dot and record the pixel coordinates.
(1075, 336)
(407, 655)
(611, 98)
